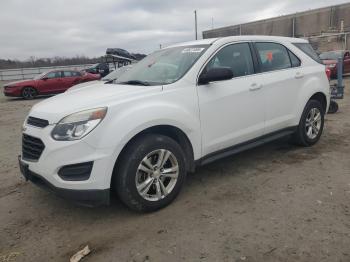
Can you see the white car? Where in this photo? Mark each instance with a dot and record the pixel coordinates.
(180, 107)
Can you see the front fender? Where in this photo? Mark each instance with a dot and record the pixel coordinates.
(125, 122)
(123, 125)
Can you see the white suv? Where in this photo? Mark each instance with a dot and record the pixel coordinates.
(180, 107)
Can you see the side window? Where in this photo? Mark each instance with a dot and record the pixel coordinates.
(76, 73)
(67, 74)
(52, 75)
(237, 57)
(273, 56)
(294, 59)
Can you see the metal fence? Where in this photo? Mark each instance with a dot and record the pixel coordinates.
(28, 73)
(328, 42)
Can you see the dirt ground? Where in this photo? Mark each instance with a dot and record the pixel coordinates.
(277, 202)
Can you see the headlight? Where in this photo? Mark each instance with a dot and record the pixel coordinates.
(78, 125)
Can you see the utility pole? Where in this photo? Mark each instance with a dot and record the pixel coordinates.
(195, 23)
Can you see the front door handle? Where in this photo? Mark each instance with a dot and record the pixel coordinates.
(255, 87)
(299, 75)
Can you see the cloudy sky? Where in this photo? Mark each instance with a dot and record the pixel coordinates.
(48, 28)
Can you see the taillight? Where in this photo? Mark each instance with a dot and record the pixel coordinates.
(328, 73)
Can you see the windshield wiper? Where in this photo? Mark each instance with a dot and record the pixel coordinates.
(135, 82)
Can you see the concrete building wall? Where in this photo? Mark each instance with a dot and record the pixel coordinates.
(305, 24)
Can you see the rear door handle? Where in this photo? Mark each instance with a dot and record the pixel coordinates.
(255, 87)
(299, 75)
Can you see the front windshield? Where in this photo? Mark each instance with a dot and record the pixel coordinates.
(163, 67)
(37, 77)
(116, 73)
(331, 55)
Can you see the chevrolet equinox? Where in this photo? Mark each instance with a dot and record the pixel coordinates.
(180, 107)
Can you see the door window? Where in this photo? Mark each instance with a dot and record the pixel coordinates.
(67, 74)
(237, 57)
(273, 56)
(76, 73)
(52, 75)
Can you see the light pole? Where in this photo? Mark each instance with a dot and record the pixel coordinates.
(195, 23)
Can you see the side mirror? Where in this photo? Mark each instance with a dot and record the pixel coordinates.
(215, 74)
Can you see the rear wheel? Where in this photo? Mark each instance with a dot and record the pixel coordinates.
(151, 173)
(29, 92)
(311, 124)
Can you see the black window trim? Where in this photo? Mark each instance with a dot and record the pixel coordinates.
(287, 49)
(255, 65)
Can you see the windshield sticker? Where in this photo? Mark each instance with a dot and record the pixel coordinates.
(192, 50)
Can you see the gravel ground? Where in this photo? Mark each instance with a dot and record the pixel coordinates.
(277, 202)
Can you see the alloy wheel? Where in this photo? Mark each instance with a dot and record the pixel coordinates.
(157, 174)
(28, 93)
(313, 123)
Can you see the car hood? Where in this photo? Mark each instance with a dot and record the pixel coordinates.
(21, 82)
(329, 62)
(98, 95)
(85, 84)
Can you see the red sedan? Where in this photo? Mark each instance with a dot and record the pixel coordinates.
(48, 83)
(330, 59)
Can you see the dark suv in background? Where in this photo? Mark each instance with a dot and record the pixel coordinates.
(100, 68)
(120, 52)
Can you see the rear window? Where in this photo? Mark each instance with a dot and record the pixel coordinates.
(307, 49)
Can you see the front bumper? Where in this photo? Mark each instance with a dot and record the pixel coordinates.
(12, 92)
(92, 188)
(83, 197)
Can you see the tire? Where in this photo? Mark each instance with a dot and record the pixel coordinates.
(29, 92)
(312, 111)
(333, 107)
(144, 184)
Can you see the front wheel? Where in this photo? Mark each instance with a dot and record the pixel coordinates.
(311, 124)
(151, 173)
(29, 93)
